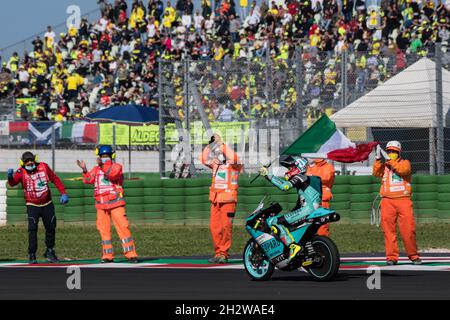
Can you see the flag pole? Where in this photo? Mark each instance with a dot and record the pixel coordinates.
(268, 166)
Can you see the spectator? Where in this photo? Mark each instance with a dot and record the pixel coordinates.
(49, 38)
(226, 115)
(131, 40)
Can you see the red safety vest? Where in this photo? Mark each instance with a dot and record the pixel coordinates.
(35, 185)
(108, 190)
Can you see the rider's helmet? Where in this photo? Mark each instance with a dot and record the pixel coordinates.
(295, 165)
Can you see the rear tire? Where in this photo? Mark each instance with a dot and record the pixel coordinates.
(329, 256)
(256, 263)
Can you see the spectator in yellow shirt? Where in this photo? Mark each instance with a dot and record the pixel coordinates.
(218, 52)
(172, 13)
(136, 17)
(167, 21)
(73, 32)
(74, 81)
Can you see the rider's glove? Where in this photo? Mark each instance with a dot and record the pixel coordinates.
(264, 171)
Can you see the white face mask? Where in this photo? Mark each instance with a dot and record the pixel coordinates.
(105, 160)
(30, 167)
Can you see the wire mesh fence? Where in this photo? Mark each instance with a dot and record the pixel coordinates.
(262, 102)
(279, 98)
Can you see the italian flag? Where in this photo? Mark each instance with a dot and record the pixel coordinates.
(324, 140)
(79, 132)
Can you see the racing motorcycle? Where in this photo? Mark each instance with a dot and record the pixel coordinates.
(265, 251)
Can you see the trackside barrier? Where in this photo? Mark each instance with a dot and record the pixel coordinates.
(2, 203)
(151, 200)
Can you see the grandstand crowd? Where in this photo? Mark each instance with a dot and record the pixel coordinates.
(114, 60)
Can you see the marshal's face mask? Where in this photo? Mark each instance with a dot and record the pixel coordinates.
(30, 167)
(393, 155)
(105, 160)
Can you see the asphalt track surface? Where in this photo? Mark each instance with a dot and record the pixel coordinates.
(217, 284)
(168, 284)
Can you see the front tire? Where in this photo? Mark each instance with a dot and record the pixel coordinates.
(327, 259)
(256, 263)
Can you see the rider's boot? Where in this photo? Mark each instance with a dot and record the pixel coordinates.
(295, 249)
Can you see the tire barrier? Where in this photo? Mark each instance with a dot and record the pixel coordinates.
(151, 200)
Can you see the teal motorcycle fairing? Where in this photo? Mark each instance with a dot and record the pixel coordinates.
(274, 248)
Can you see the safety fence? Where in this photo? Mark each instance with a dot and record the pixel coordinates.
(282, 96)
(264, 104)
(151, 200)
(304, 85)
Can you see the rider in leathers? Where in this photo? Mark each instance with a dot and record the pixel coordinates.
(309, 199)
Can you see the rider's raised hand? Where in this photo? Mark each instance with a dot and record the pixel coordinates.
(264, 171)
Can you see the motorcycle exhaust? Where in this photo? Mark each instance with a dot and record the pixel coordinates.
(335, 217)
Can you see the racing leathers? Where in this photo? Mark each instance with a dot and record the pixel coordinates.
(309, 200)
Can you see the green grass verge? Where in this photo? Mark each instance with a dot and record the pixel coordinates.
(76, 242)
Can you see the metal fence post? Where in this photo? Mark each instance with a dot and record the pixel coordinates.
(15, 108)
(299, 110)
(187, 132)
(162, 138)
(114, 135)
(439, 110)
(249, 86)
(186, 94)
(53, 148)
(269, 84)
(129, 152)
(344, 94)
(432, 150)
(99, 136)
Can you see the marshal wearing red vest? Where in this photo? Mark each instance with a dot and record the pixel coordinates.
(35, 178)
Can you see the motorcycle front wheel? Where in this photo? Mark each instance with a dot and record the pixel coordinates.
(256, 263)
(327, 259)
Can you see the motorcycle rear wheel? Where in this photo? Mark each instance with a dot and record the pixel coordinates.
(256, 263)
(329, 259)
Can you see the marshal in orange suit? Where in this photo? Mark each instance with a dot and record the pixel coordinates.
(321, 168)
(107, 178)
(396, 204)
(225, 166)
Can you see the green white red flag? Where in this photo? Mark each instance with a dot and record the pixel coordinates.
(324, 140)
